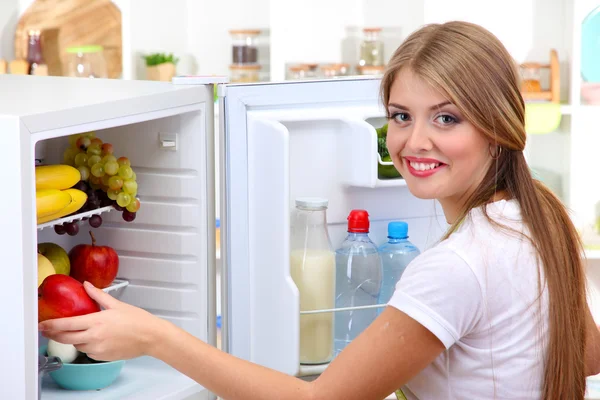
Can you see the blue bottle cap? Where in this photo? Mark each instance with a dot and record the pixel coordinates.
(397, 230)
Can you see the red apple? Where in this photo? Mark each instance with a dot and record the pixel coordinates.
(96, 264)
(61, 296)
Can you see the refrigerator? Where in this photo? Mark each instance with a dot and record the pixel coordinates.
(274, 142)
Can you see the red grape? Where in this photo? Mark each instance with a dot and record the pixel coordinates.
(72, 228)
(60, 229)
(81, 185)
(95, 221)
(128, 216)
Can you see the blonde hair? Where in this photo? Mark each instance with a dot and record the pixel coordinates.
(478, 75)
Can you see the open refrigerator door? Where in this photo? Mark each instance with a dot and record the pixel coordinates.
(279, 142)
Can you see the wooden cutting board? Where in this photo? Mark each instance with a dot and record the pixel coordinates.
(66, 23)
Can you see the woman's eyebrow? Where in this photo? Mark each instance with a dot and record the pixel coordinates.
(434, 107)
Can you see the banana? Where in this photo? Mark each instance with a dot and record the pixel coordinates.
(77, 200)
(56, 177)
(50, 201)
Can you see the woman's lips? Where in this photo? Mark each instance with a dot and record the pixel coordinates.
(423, 167)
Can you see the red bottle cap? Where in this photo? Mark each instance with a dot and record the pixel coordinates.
(358, 221)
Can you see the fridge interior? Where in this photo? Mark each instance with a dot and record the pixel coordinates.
(164, 257)
(281, 142)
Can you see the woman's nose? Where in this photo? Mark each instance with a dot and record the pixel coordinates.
(419, 139)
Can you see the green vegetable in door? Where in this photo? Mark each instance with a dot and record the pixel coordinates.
(384, 171)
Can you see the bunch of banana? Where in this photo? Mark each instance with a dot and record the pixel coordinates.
(54, 196)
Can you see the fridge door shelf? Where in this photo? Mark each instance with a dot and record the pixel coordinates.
(75, 217)
(381, 162)
(333, 310)
(363, 158)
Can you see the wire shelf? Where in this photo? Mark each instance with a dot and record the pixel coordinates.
(76, 217)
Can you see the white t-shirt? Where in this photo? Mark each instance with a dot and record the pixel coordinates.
(477, 292)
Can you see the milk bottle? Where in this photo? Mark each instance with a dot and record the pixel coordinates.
(312, 265)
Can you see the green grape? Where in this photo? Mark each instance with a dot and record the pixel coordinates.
(107, 148)
(94, 149)
(73, 140)
(123, 199)
(81, 159)
(93, 160)
(108, 157)
(84, 171)
(69, 156)
(134, 205)
(115, 183)
(125, 172)
(98, 170)
(111, 168)
(124, 161)
(83, 142)
(105, 179)
(112, 194)
(130, 186)
(134, 177)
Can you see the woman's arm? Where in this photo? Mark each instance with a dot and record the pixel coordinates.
(384, 357)
(592, 347)
(390, 352)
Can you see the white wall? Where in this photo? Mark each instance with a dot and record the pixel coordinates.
(9, 15)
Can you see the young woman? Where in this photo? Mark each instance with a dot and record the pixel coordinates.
(497, 310)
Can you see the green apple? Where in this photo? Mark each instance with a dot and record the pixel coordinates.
(57, 256)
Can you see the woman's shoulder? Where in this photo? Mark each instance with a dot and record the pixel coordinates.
(481, 241)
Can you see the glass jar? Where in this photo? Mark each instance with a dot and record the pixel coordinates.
(312, 266)
(334, 70)
(243, 46)
(244, 73)
(86, 62)
(311, 70)
(530, 81)
(296, 72)
(370, 70)
(371, 48)
(34, 52)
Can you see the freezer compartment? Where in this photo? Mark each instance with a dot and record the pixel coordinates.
(311, 140)
(164, 256)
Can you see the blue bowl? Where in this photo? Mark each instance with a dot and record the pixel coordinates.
(85, 376)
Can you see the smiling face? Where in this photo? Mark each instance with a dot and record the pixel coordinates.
(440, 154)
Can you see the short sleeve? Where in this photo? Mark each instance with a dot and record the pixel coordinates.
(440, 291)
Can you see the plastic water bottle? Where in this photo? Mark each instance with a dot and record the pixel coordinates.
(358, 280)
(395, 254)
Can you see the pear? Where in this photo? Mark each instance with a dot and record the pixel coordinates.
(44, 268)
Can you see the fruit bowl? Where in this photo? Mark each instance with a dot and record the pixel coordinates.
(94, 376)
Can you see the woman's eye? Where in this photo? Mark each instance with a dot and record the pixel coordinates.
(446, 119)
(401, 117)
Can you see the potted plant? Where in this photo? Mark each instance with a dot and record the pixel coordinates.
(160, 66)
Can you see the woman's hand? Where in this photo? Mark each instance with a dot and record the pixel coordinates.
(119, 332)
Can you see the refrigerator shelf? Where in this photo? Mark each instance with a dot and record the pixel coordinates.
(76, 217)
(311, 370)
(116, 285)
(330, 310)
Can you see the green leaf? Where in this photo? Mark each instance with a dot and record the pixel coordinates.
(160, 58)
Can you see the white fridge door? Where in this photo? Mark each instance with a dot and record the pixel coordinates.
(283, 141)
